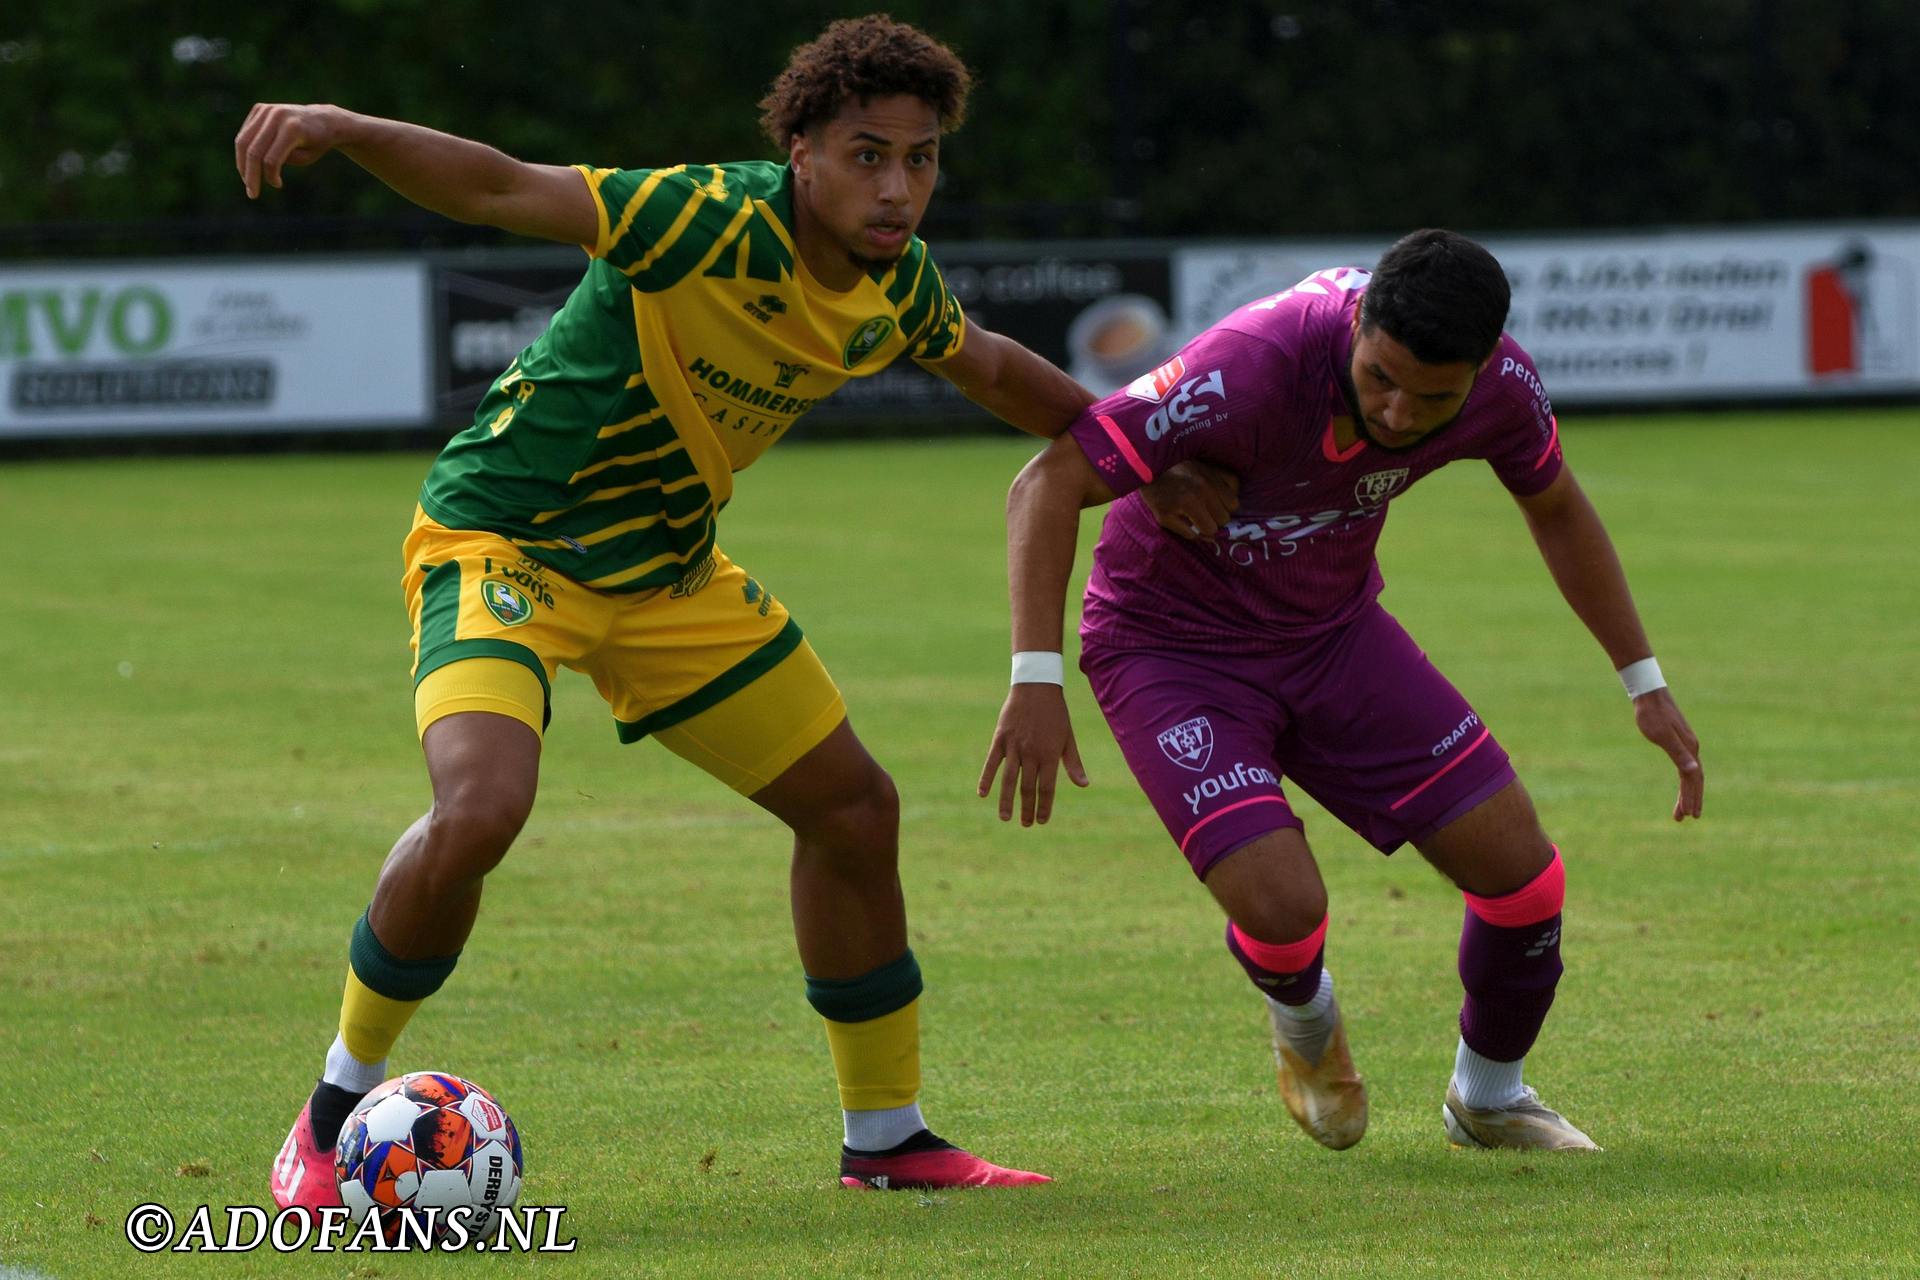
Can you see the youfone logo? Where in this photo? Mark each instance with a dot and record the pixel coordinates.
(1376, 487)
(1221, 783)
(1189, 744)
(1183, 405)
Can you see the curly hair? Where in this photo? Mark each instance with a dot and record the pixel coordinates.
(864, 58)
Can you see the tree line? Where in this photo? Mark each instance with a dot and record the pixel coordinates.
(1091, 117)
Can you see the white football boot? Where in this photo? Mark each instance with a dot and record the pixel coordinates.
(1527, 1125)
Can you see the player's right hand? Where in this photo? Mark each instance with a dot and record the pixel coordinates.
(281, 133)
(1193, 499)
(1032, 740)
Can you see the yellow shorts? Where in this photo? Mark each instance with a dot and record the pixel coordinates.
(713, 667)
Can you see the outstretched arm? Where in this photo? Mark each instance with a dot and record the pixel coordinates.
(466, 181)
(1190, 499)
(1013, 383)
(1584, 565)
(1043, 524)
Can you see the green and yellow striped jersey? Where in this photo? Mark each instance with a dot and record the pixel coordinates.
(695, 340)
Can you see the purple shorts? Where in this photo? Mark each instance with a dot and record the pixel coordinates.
(1358, 718)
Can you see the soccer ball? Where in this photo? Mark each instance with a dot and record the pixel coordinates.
(428, 1140)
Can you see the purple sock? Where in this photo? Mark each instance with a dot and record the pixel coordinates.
(1294, 986)
(1510, 974)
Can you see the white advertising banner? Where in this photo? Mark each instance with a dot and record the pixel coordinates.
(1670, 316)
(213, 346)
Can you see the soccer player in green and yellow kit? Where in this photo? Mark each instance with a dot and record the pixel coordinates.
(573, 524)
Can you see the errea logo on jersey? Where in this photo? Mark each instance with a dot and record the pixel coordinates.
(1185, 404)
(764, 308)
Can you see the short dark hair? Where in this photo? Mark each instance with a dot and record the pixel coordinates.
(864, 58)
(1439, 295)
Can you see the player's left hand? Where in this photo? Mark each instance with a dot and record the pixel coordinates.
(1660, 721)
(1193, 499)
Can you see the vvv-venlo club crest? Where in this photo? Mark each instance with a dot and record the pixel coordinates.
(1376, 487)
(1189, 744)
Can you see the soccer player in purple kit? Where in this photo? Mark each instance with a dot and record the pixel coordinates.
(1256, 650)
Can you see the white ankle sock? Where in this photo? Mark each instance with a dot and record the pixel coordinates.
(345, 1071)
(1313, 1009)
(878, 1130)
(1483, 1083)
(1305, 1027)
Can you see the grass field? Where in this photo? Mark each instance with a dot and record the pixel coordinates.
(206, 749)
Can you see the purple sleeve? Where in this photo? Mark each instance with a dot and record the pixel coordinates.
(1526, 456)
(1201, 404)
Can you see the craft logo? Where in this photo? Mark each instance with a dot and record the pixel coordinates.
(1376, 487)
(1189, 744)
(789, 373)
(1859, 314)
(506, 602)
(1153, 387)
(866, 340)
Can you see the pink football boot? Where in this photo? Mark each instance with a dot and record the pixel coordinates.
(302, 1173)
(926, 1163)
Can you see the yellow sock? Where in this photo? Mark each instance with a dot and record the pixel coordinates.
(369, 1021)
(877, 1062)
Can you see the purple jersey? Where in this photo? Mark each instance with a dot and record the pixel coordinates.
(1259, 394)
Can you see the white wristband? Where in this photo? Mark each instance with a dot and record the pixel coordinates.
(1642, 677)
(1034, 666)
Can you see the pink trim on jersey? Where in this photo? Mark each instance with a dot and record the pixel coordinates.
(1442, 771)
(1541, 899)
(1221, 813)
(1282, 957)
(1125, 447)
(1553, 442)
(1331, 452)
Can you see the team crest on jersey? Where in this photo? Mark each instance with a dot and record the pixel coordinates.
(506, 602)
(1189, 744)
(866, 340)
(1153, 387)
(1376, 487)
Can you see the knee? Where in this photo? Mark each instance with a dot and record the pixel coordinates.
(1276, 919)
(470, 830)
(854, 823)
(1271, 888)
